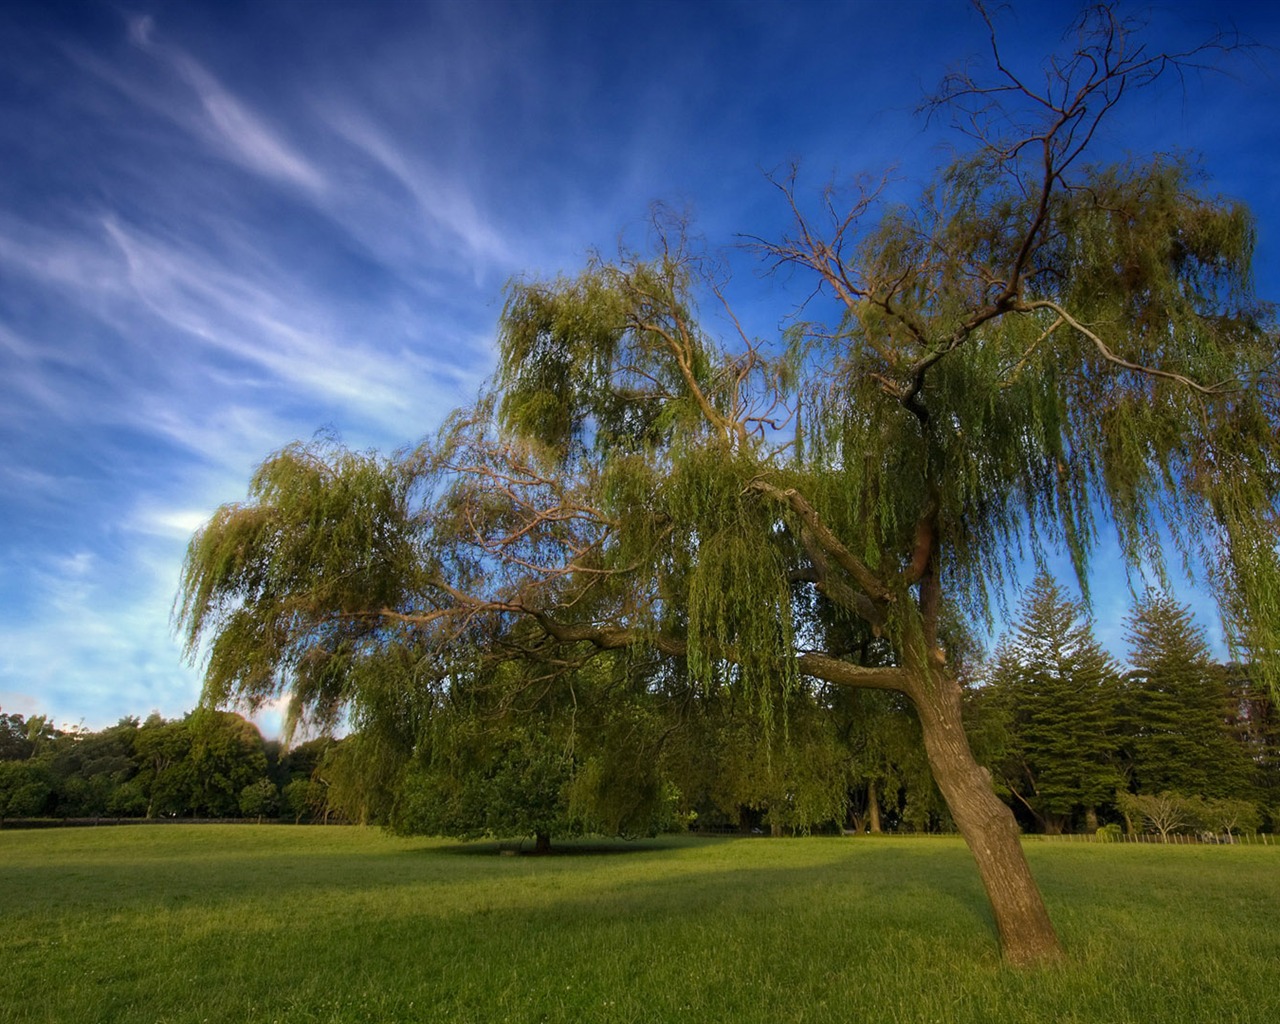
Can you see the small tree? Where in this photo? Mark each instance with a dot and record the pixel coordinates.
(1231, 816)
(486, 786)
(1163, 813)
(259, 799)
(304, 799)
(502, 753)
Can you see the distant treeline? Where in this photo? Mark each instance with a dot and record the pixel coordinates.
(1173, 743)
(210, 764)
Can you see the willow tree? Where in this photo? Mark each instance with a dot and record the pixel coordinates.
(1036, 349)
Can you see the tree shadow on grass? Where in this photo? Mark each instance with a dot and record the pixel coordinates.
(874, 898)
(921, 883)
(563, 848)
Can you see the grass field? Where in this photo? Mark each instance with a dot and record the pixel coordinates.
(273, 923)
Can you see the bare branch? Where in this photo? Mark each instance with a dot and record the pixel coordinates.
(1220, 388)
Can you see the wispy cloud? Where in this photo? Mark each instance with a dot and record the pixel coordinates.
(63, 258)
(223, 120)
(435, 219)
(254, 320)
(441, 203)
(175, 523)
(168, 301)
(27, 377)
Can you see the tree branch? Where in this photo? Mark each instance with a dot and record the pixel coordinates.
(823, 534)
(1212, 390)
(810, 663)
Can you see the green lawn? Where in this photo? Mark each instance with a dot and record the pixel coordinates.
(273, 923)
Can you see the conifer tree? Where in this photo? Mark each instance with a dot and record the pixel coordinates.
(1178, 705)
(1056, 689)
(1254, 723)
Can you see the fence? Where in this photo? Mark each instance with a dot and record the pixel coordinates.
(1177, 839)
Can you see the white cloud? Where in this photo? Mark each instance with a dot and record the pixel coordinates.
(25, 480)
(26, 375)
(98, 644)
(75, 565)
(440, 201)
(141, 29)
(231, 437)
(243, 135)
(262, 320)
(172, 523)
(15, 703)
(223, 120)
(62, 259)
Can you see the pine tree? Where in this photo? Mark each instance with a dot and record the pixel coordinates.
(1254, 722)
(1177, 703)
(1055, 687)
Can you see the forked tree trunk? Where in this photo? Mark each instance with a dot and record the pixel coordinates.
(1026, 934)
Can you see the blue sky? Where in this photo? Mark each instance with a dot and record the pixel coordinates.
(226, 225)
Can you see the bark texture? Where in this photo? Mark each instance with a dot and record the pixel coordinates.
(1027, 936)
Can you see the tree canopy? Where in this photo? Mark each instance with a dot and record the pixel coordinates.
(1037, 347)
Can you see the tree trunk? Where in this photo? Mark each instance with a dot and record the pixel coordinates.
(1026, 934)
(1091, 819)
(873, 807)
(541, 842)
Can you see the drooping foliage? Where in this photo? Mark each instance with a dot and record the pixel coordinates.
(1042, 422)
(1036, 348)
(290, 584)
(517, 751)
